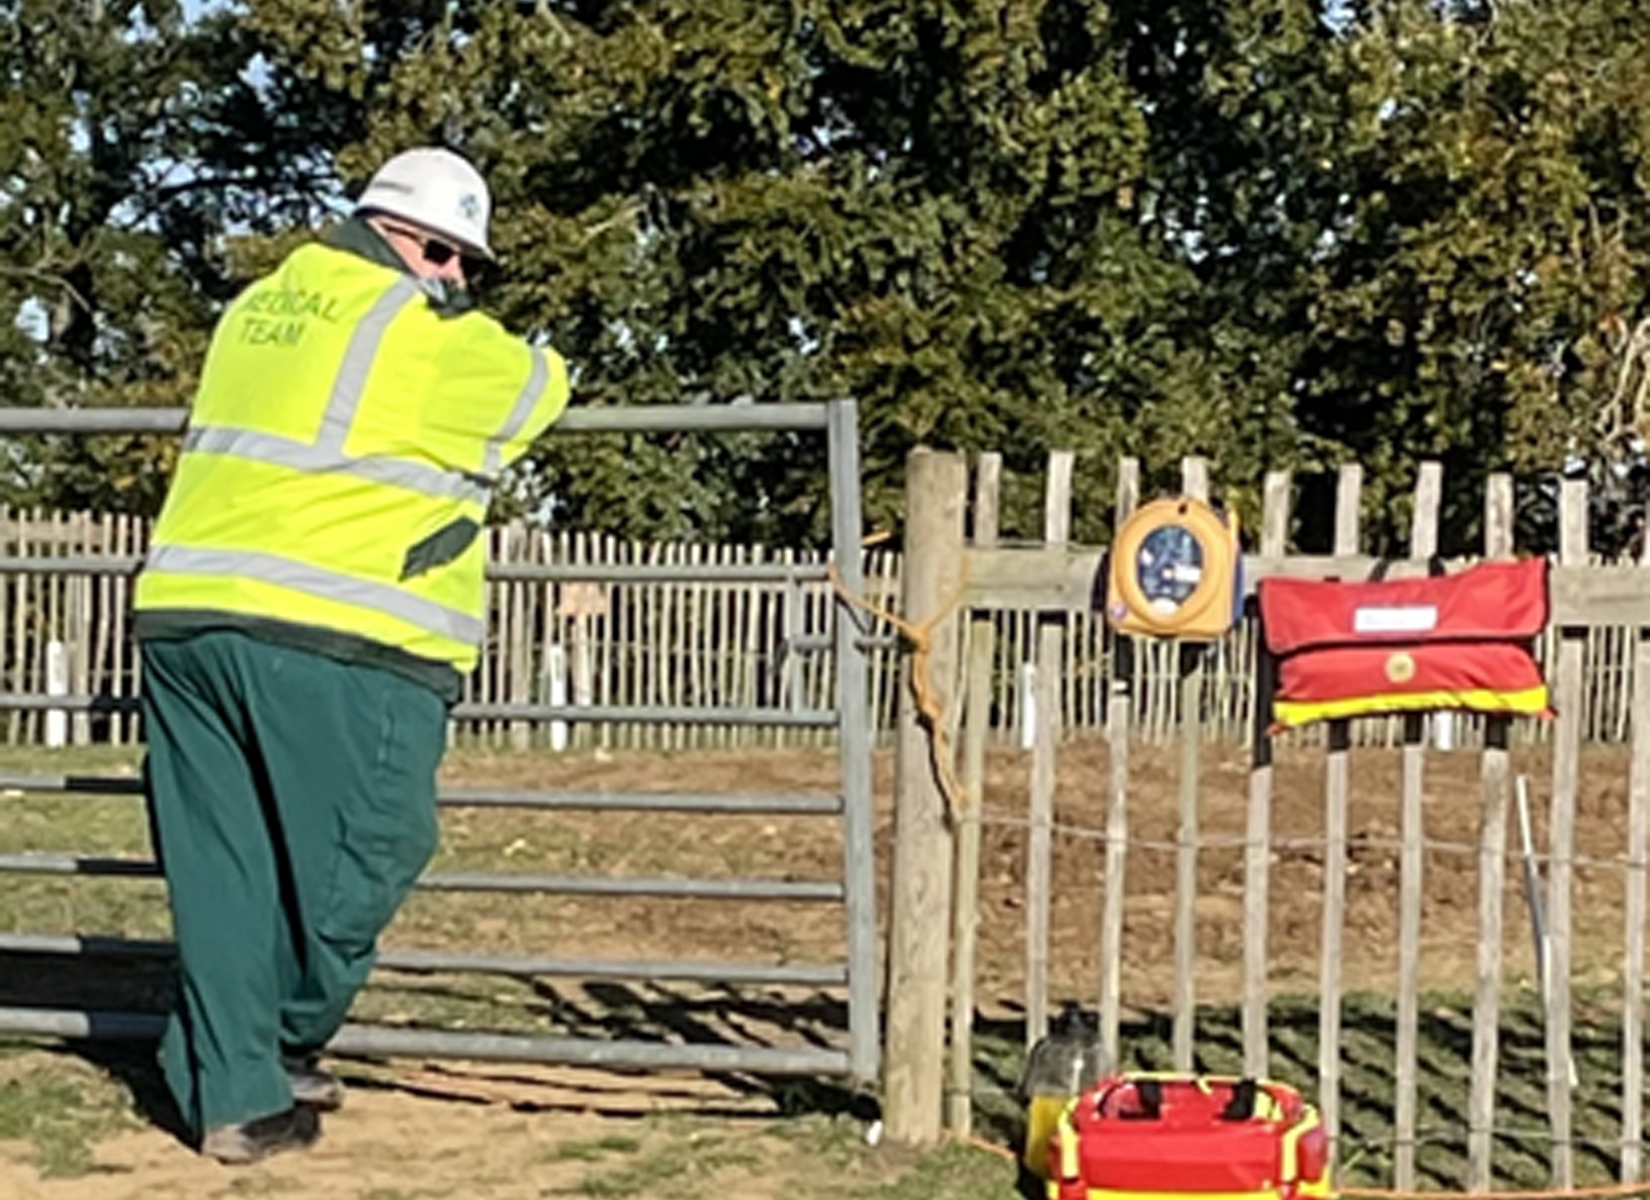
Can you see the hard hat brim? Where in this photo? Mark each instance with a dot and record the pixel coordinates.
(465, 246)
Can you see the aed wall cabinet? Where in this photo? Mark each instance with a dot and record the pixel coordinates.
(1175, 571)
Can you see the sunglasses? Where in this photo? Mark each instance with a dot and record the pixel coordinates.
(436, 253)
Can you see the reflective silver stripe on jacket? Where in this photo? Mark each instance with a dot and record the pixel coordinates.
(326, 453)
(303, 456)
(322, 584)
(531, 392)
(351, 382)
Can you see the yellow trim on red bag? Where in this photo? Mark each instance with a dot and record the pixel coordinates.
(1065, 1130)
(1289, 1154)
(1105, 1194)
(1529, 702)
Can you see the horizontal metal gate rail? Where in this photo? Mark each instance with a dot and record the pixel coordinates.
(128, 564)
(428, 962)
(803, 718)
(748, 804)
(653, 418)
(478, 881)
(838, 421)
(379, 1040)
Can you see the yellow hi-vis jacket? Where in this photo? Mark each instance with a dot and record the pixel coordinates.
(340, 457)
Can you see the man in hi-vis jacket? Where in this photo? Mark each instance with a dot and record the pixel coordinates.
(310, 602)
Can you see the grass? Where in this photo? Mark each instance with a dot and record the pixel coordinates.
(273, 1185)
(593, 1149)
(845, 1166)
(820, 1158)
(61, 1106)
(58, 1104)
(60, 1110)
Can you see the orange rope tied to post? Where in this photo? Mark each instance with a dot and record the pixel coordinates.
(930, 712)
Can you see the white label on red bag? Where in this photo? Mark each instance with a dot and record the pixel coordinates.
(1402, 618)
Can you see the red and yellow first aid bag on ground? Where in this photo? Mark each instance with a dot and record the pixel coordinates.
(1463, 641)
(1169, 1136)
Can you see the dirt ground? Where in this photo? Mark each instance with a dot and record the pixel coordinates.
(499, 1133)
(808, 848)
(457, 1130)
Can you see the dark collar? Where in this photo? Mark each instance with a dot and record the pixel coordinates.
(354, 235)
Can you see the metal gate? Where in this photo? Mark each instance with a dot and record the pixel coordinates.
(853, 890)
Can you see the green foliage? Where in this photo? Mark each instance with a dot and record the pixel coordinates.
(1488, 246)
(1278, 233)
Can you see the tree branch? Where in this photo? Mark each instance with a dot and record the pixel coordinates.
(47, 277)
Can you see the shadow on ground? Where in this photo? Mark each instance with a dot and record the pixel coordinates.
(750, 1016)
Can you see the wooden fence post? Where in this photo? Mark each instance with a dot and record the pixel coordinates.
(1119, 707)
(1194, 482)
(1051, 633)
(1572, 649)
(1423, 543)
(79, 630)
(1257, 849)
(919, 920)
(1494, 775)
(982, 648)
(1337, 785)
(1632, 976)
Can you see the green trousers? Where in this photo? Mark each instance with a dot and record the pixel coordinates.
(292, 803)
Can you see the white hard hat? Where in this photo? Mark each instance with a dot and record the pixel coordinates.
(435, 189)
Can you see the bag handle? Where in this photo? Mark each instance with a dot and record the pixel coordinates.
(1435, 568)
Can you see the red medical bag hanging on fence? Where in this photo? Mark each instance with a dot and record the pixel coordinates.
(1463, 641)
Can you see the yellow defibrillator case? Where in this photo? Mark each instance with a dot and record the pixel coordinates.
(1175, 571)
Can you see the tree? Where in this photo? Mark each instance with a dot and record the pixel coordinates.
(1279, 233)
(926, 206)
(1486, 247)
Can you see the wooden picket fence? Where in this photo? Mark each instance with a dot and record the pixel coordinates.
(935, 911)
(612, 644)
(684, 645)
